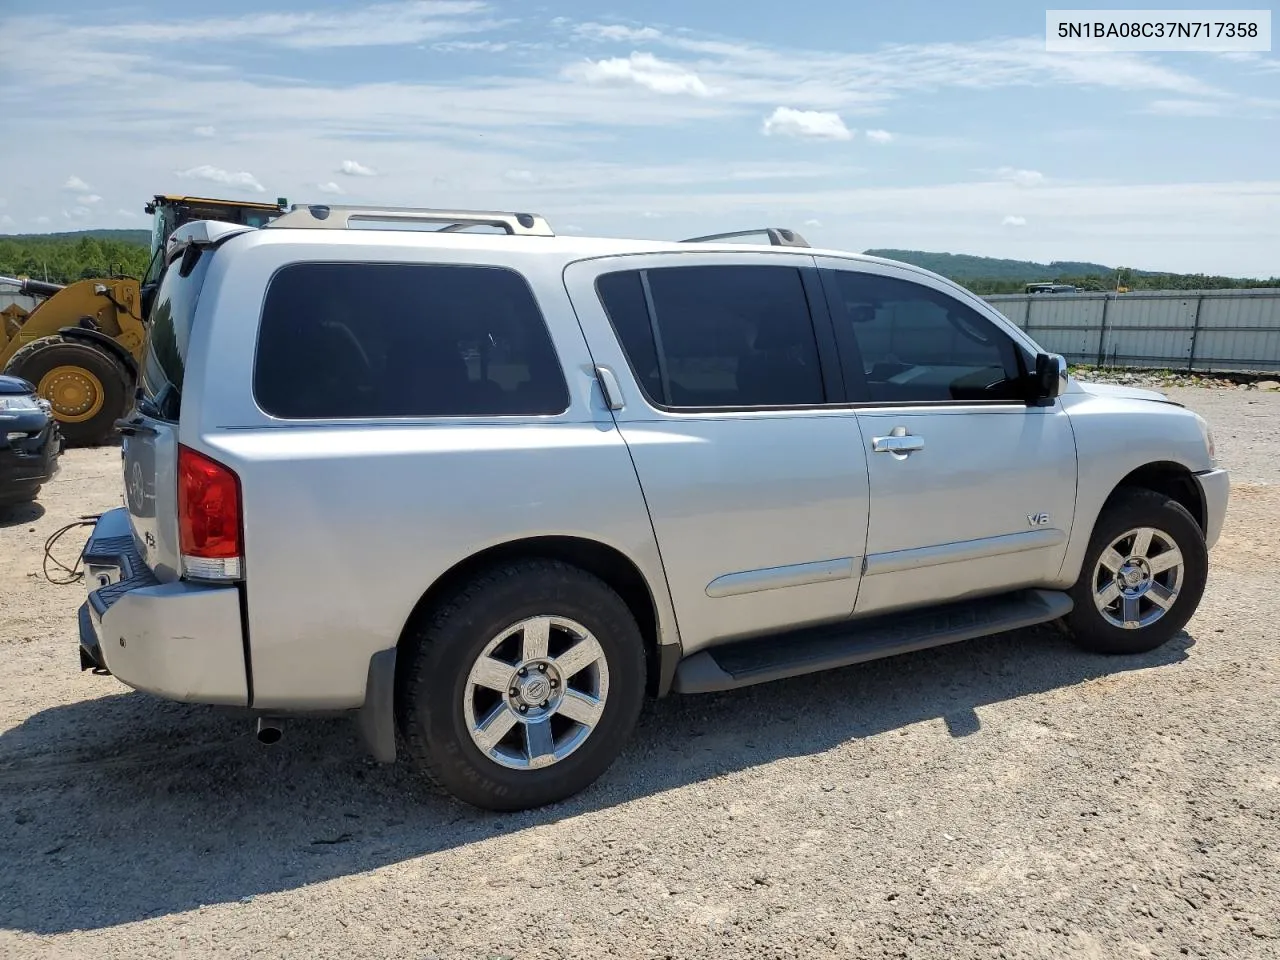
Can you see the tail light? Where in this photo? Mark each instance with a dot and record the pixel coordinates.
(209, 523)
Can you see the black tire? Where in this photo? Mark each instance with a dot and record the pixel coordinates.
(19, 496)
(37, 358)
(436, 660)
(1128, 510)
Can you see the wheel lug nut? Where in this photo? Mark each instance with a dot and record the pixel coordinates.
(523, 708)
(544, 704)
(554, 683)
(513, 691)
(522, 671)
(542, 668)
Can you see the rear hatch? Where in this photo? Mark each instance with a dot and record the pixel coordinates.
(150, 432)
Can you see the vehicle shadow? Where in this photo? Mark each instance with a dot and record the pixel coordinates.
(16, 514)
(126, 807)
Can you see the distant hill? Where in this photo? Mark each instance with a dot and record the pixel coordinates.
(140, 238)
(987, 275)
(962, 266)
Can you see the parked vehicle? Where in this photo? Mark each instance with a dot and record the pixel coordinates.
(492, 489)
(29, 442)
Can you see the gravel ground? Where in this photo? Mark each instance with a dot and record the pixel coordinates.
(1008, 797)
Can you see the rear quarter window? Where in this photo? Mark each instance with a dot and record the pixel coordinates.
(362, 340)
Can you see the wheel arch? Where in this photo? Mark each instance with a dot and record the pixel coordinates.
(608, 563)
(1172, 479)
(108, 344)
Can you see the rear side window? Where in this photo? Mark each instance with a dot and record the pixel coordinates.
(342, 340)
(171, 317)
(716, 336)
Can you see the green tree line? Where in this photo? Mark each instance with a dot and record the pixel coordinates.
(1145, 281)
(64, 258)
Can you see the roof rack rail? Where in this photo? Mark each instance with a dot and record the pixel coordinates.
(778, 237)
(342, 217)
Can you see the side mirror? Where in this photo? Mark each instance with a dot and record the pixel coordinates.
(1050, 377)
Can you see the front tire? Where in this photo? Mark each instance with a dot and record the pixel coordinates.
(523, 688)
(1142, 577)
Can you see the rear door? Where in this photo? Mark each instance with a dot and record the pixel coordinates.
(972, 490)
(726, 382)
(150, 436)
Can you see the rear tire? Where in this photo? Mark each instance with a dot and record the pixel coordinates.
(584, 664)
(1142, 577)
(96, 383)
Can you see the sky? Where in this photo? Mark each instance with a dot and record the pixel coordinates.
(932, 126)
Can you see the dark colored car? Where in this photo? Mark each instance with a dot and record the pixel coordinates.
(29, 441)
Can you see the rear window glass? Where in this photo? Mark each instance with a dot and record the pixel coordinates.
(171, 315)
(342, 340)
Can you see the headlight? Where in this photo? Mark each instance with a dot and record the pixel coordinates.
(18, 404)
(1207, 434)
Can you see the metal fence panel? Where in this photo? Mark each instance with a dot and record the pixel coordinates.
(1210, 330)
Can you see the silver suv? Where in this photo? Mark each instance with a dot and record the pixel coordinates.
(486, 488)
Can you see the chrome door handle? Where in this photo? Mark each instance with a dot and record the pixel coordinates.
(901, 444)
(609, 387)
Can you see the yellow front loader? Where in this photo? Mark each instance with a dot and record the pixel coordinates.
(82, 344)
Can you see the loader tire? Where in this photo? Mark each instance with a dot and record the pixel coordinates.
(87, 386)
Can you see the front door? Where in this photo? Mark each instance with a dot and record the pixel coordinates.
(756, 483)
(972, 490)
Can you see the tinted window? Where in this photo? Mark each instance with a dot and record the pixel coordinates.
(170, 331)
(917, 344)
(404, 340)
(737, 336)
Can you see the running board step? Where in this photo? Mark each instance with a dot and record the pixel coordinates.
(762, 659)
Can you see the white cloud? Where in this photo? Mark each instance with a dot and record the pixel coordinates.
(88, 199)
(76, 213)
(811, 124)
(651, 215)
(617, 32)
(353, 168)
(642, 70)
(482, 46)
(6, 220)
(75, 184)
(128, 214)
(204, 132)
(813, 223)
(1012, 221)
(226, 177)
(521, 176)
(381, 24)
(329, 187)
(879, 136)
(1023, 178)
(42, 220)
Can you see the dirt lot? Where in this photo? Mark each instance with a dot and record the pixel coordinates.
(1009, 797)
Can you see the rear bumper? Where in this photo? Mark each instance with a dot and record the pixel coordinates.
(1215, 489)
(179, 640)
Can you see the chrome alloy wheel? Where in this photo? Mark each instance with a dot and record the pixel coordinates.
(1137, 578)
(536, 692)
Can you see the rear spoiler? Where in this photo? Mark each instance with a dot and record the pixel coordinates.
(202, 234)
